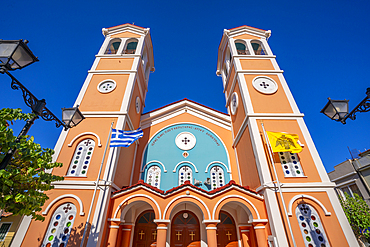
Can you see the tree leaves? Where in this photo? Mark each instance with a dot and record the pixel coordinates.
(23, 182)
(358, 214)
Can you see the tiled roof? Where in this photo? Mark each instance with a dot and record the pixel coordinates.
(186, 184)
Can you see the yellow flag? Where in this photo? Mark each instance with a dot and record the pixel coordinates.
(283, 142)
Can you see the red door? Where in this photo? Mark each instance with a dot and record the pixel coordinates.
(226, 232)
(145, 234)
(185, 231)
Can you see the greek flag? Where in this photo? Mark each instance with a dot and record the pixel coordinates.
(121, 138)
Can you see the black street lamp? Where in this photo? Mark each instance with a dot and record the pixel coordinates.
(338, 109)
(15, 54)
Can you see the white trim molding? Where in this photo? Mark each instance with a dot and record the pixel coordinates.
(195, 168)
(290, 206)
(65, 196)
(82, 134)
(154, 161)
(217, 162)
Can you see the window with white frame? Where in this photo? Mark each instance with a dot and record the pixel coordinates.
(60, 226)
(113, 46)
(185, 174)
(131, 45)
(4, 229)
(258, 47)
(350, 189)
(81, 159)
(311, 227)
(153, 176)
(290, 164)
(217, 177)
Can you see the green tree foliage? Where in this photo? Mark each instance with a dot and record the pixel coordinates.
(358, 215)
(24, 180)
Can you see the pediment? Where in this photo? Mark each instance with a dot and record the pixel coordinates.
(185, 106)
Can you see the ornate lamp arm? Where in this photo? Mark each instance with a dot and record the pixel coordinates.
(364, 106)
(38, 106)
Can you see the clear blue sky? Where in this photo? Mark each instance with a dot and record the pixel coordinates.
(321, 45)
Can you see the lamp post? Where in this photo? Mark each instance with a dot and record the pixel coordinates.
(15, 54)
(338, 109)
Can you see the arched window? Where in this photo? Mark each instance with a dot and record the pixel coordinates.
(81, 158)
(113, 46)
(258, 47)
(311, 227)
(217, 177)
(131, 46)
(185, 174)
(241, 48)
(291, 165)
(153, 176)
(60, 226)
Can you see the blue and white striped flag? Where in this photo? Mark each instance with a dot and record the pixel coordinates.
(121, 138)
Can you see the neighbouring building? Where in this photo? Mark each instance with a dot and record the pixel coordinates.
(353, 176)
(198, 177)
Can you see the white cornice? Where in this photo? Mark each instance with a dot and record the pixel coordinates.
(124, 28)
(182, 107)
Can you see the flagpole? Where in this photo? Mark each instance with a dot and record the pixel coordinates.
(278, 184)
(87, 223)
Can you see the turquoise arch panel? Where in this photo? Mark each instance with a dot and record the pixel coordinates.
(207, 152)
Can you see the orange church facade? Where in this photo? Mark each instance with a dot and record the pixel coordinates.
(197, 177)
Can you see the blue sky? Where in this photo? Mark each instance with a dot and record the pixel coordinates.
(321, 45)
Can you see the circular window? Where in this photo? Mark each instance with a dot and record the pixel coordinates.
(106, 86)
(265, 85)
(234, 103)
(137, 104)
(185, 140)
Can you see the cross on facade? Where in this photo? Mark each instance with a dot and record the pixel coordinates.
(263, 84)
(185, 141)
(67, 208)
(192, 234)
(87, 142)
(178, 234)
(141, 234)
(228, 234)
(216, 169)
(154, 235)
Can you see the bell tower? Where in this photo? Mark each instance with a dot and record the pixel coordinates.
(113, 94)
(258, 98)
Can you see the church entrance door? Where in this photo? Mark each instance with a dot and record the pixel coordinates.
(185, 231)
(145, 234)
(226, 232)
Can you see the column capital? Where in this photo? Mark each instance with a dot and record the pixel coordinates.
(211, 223)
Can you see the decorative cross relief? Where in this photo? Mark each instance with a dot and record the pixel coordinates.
(265, 85)
(185, 141)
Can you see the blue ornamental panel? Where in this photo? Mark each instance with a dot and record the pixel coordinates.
(186, 146)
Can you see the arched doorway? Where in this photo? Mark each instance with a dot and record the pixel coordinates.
(185, 230)
(145, 230)
(226, 232)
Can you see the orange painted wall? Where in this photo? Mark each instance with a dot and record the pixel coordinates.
(126, 35)
(307, 163)
(224, 134)
(115, 64)
(256, 64)
(239, 116)
(246, 36)
(247, 161)
(97, 101)
(99, 126)
(268, 103)
(229, 83)
(330, 223)
(134, 116)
